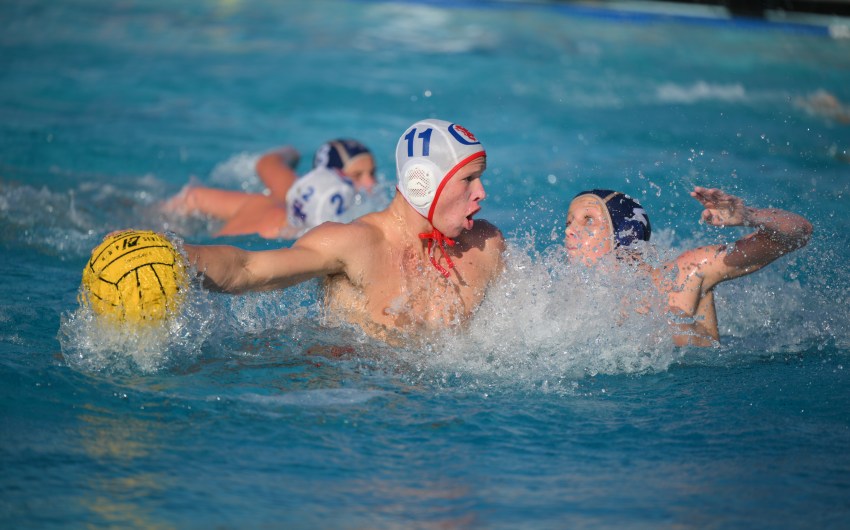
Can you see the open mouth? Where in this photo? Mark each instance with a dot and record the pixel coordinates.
(469, 220)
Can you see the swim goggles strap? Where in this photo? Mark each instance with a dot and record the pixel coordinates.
(442, 241)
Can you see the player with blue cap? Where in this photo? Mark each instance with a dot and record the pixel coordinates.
(601, 222)
(291, 204)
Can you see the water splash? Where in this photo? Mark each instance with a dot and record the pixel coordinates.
(238, 172)
(546, 323)
(92, 344)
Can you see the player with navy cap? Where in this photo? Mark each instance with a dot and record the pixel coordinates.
(291, 204)
(421, 264)
(606, 222)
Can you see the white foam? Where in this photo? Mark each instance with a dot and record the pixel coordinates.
(700, 91)
(238, 171)
(422, 28)
(546, 323)
(91, 343)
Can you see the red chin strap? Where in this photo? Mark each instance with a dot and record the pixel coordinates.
(441, 240)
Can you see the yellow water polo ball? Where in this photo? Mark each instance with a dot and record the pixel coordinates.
(134, 276)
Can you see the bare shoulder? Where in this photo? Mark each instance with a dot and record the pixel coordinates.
(343, 237)
(696, 260)
(484, 236)
(481, 250)
(693, 272)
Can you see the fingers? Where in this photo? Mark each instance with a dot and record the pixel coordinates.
(716, 198)
(709, 197)
(708, 218)
(710, 194)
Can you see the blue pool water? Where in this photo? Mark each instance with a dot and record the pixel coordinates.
(546, 412)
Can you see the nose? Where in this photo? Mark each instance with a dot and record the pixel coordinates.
(571, 236)
(366, 182)
(369, 182)
(478, 193)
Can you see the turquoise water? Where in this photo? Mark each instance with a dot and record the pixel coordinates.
(546, 412)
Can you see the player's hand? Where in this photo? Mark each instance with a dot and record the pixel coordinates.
(721, 208)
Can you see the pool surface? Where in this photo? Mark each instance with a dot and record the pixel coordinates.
(258, 411)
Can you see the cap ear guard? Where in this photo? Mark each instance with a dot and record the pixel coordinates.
(418, 183)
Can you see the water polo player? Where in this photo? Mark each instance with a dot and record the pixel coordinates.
(423, 263)
(290, 204)
(600, 222)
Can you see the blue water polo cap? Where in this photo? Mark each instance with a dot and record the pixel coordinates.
(628, 219)
(335, 154)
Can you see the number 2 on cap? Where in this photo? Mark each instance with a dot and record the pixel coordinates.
(426, 141)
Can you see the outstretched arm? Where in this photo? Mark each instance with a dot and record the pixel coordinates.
(777, 233)
(233, 270)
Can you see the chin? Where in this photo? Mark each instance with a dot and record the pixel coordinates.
(452, 234)
(579, 257)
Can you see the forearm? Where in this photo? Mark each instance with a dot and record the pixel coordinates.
(786, 228)
(223, 267)
(777, 233)
(276, 170)
(233, 270)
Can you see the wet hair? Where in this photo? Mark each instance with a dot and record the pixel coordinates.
(335, 154)
(629, 220)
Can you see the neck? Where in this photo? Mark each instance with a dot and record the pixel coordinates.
(409, 221)
(416, 229)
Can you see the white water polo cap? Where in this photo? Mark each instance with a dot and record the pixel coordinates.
(427, 155)
(323, 194)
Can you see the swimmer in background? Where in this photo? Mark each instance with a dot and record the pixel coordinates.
(290, 204)
(419, 265)
(825, 104)
(600, 222)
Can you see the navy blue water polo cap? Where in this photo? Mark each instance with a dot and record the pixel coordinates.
(335, 154)
(627, 217)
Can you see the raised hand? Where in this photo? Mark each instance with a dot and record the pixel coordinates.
(721, 208)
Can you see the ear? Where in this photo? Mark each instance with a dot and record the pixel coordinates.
(418, 183)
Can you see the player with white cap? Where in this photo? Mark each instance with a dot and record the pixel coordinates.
(381, 270)
(427, 156)
(291, 204)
